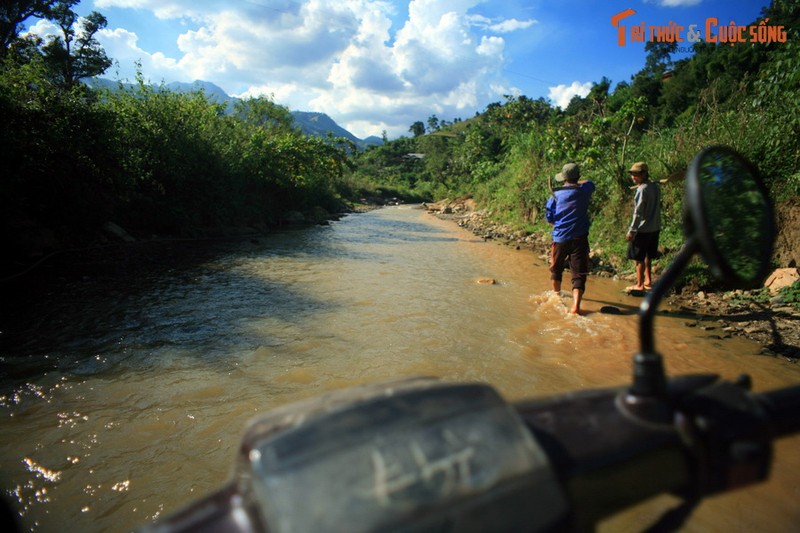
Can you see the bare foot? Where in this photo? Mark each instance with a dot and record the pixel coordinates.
(575, 311)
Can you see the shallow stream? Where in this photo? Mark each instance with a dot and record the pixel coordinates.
(129, 398)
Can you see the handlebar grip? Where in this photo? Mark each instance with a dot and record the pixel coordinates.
(606, 460)
(783, 410)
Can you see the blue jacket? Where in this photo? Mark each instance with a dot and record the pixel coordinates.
(568, 211)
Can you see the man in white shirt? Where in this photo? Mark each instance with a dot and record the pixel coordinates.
(645, 227)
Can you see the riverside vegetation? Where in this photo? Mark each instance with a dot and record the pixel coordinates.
(157, 162)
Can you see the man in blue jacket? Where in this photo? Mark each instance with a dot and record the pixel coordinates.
(567, 210)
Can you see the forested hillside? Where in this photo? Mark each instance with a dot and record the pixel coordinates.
(161, 162)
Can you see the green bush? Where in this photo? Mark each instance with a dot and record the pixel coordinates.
(791, 294)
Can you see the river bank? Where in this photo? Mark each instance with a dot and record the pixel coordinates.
(772, 323)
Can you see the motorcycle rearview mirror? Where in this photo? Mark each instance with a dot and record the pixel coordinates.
(729, 220)
(729, 212)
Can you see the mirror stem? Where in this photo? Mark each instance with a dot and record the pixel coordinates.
(651, 301)
(647, 398)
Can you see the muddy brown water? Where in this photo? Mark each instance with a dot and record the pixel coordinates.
(142, 390)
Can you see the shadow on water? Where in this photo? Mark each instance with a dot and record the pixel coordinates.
(614, 308)
(134, 307)
(89, 313)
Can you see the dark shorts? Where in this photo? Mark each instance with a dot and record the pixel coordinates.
(576, 253)
(643, 245)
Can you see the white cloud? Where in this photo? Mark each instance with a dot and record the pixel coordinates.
(44, 29)
(491, 47)
(500, 25)
(355, 60)
(561, 95)
(510, 25)
(123, 46)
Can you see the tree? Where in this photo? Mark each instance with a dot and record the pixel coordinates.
(648, 81)
(417, 129)
(75, 54)
(659, 58)
(783, 12)
(264, 113)
(14, 12)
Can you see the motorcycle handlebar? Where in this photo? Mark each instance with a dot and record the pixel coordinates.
(450, 458)
(608, 458)
(783, 410)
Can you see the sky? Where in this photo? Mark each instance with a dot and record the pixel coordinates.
(378, 66)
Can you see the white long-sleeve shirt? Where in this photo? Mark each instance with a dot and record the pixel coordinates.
(646, 208)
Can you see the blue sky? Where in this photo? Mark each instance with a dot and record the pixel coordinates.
(381, 65)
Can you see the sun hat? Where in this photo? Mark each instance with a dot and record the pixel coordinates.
(638, 168)
(570, 173)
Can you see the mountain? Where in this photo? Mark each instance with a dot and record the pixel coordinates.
(213, 92)
(320, 124)
(310, 123)
(373, 140)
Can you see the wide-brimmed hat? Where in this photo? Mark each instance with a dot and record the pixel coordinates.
(638, 168)
(570, 173)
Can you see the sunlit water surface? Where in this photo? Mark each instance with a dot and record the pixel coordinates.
(149, 384)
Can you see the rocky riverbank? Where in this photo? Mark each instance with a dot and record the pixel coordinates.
(760, 316)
